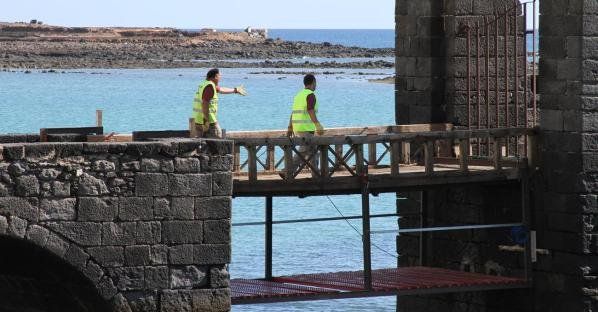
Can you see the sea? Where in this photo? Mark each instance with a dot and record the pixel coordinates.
(161, 99)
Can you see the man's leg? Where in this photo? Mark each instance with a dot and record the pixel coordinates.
(198, 131)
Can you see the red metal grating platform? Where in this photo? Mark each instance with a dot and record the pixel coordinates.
(385, 282)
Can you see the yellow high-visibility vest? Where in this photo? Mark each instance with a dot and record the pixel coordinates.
(300, 118)
(213, 106)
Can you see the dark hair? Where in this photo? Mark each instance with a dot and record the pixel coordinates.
(309, 79)
(212, 73)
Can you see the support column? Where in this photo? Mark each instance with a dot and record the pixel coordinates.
(268, 238)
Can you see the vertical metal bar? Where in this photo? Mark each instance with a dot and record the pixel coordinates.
(339, 151)
(367, 248)
(506, 56)
(487, 97)
(288, 163)
(395, 157)
(359, 163)
(406, 152)
(268, 238)
(423, 222)
(534, 64)
(525, 214)
(477, 65)
(252, 162)
(496, 68)
(468, 77)
(525, 78)
(497, 154)
(463, 149)
(516, 55)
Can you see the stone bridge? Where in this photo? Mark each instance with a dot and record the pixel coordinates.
(115, 226)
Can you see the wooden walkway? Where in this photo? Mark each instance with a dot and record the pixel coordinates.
(388, 158)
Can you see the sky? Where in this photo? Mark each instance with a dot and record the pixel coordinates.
(194, 14)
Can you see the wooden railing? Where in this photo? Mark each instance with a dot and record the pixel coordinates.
(379, 150)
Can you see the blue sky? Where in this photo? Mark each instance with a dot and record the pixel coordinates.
(354, 14)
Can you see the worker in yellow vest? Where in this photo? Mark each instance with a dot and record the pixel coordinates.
(205, 105)
(304, 121)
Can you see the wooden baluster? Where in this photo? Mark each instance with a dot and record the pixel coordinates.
(339, 151)
(288, 162)
(359, 160)
(252, 156)
(324, 170)
(99, 119)
(463, 154)
(429, 157)
(405, 152)
(270, 160)
(497, 153)
(372, 154)
(237, 158)
(395, 157)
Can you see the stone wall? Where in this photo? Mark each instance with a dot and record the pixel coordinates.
(148, 224)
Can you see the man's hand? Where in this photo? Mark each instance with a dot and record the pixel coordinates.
(241, 90)
(205, 126)
(319, 129)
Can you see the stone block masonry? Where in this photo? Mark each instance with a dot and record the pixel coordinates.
(147, 223)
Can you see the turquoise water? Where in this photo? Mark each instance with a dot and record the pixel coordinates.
(161, 99)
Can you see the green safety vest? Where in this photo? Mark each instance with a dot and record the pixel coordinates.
(300, 118)
(213, 107)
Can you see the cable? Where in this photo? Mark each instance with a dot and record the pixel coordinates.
(357, 231)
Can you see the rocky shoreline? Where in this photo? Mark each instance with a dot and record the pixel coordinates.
(53, 47)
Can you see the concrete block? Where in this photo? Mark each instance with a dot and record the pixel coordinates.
(149, 233)
(82, 233)
(108, 256)
(135, 208)
(130, 166)
(55, 210)
(97, 209)
(128, 278)
(589, 70)
(61, 189)
(186, 165)
(219, 277)
(4, 225)
(40, 152)
(176, 301)
(121, 233)
(92, 271)
(551, 120)
(589, 103)
(162, 208)
(90, 185)
(203, 300)
(182, 232)
(217, 207)
(190, 184)
(57, 245)
(103, 166)
(144, 149)
(182, 208)
(13, 152)
(26, 208)
(190, 276)
(216, 231)
(27, 186)
(137, 255)
(76, 256)
(181, 254)
(106, 288)
(156, 277)
(217, 147)
(167, 166)
(222, 183)
(17, 227)
(221, 299)
(150, 165)
(590, 25)
(221, 163)
(590, 121)
(151, 184)
(211, 254)
(159, 254)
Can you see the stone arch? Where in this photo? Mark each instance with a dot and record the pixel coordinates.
(39, 261)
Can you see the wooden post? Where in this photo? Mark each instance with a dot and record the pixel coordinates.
(429, 157)
(237, 158)
(359, 160)
(497, 153)
(99, 121)
(192, 130)
(405, 152)
(268, 239)
(270, 160)
(463, 155)
(324, 170)
(252, 163)
(288, 162)
(372, 157)
(365, 222)
(338, 149)
(395, 157)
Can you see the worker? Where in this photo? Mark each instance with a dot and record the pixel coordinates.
(205, 105)
(304, 122)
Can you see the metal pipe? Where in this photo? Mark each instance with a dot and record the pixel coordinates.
(496, 68)
(534, 63)
(268, 240)
(515, 54)
(450, 228)
(468, 77)
(478, 58)
(525, 79)
(316, 219)
(367, 248)
(506, 57)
